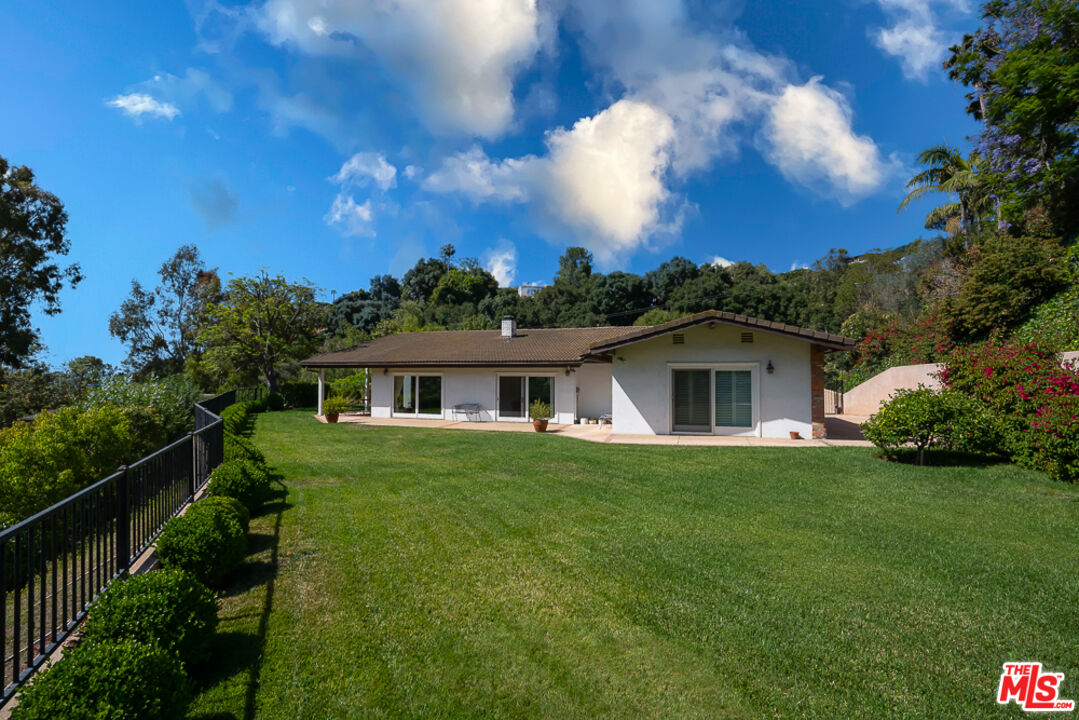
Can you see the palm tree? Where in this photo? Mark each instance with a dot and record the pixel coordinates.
(948, 172)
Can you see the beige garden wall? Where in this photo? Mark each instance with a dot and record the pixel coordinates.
(866, 399)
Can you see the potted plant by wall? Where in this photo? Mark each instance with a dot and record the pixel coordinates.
(333, 406)
(540, 412)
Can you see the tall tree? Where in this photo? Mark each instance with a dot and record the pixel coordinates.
(1023, 71)
(32, 234)
(261, 323)
(949, 173)
(160, 327)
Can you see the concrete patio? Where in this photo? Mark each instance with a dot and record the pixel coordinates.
(842, 431)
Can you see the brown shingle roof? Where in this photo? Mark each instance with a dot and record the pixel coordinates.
(538, 347)
(471, 348)
(637, 334)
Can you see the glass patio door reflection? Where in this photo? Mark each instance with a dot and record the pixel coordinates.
(517, 392)
(511, 397)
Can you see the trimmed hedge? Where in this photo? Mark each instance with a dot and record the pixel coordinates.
(109, 680)
(246, 481)
(223, 502)
(168, 608)
(209, 544)
(300, 394)
(275, 402)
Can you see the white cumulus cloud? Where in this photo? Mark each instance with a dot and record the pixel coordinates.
(139, 104)
(457, 57)
(367, 166)
(720, 261)
(501, 262)
(809, 138)
(602, 179)
(351, 217)
(915, 37)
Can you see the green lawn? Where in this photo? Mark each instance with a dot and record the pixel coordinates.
(416, 573)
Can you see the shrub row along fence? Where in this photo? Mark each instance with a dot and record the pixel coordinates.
(54, 564)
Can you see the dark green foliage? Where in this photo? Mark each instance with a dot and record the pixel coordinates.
(33, 223)
(172, 398)
(1022, 69)
(246, 481)
(240, 448)
(1008, 277)
(237, 417)
(275, 402)
(109, 680)
(261, 324)
(214, 503)
(159, 326)
(168, 608)
(300, 394)
(208, 544)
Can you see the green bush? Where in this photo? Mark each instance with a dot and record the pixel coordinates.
(236, 418)
(109, 680)
(208, 544)
(228, 504)
(923, 419)
(300, 394)
(275, 402)
(246, 481)
(169, 608)
(58, 454)
(172, 398)
(238, 447)
(350, 386)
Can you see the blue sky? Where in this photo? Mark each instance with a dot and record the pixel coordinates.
(337, 140)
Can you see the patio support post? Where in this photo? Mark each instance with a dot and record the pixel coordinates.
(321, 387)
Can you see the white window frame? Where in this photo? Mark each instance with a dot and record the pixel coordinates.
(528, 399)
(754, 368)
(418, 374)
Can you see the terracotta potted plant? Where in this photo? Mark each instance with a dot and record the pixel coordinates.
(332, 407)
(540, 412)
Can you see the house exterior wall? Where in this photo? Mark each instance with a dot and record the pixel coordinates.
(641, 374)
(593, 390)
(472, 385)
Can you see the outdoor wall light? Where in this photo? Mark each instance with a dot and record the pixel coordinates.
(771, 368)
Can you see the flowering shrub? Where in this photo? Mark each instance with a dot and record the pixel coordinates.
(1032, 398)
(924, 340)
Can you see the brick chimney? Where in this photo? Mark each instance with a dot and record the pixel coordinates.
(509, 327)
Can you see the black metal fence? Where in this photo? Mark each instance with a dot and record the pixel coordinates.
(54, 564)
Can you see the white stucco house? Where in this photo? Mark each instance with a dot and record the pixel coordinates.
(710, 373)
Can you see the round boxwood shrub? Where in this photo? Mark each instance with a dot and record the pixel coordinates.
(170, 608)
(275, 401)
(208, 544)
(228, 504)
(238, 447)
(110, 680)
(241, 479)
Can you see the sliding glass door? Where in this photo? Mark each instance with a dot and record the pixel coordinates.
(417, 395)
(692, 402)
(717, 399)
(517, 392)
(511, 397)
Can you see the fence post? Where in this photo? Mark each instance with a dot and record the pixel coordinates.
(123, 528)
(193, 439)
